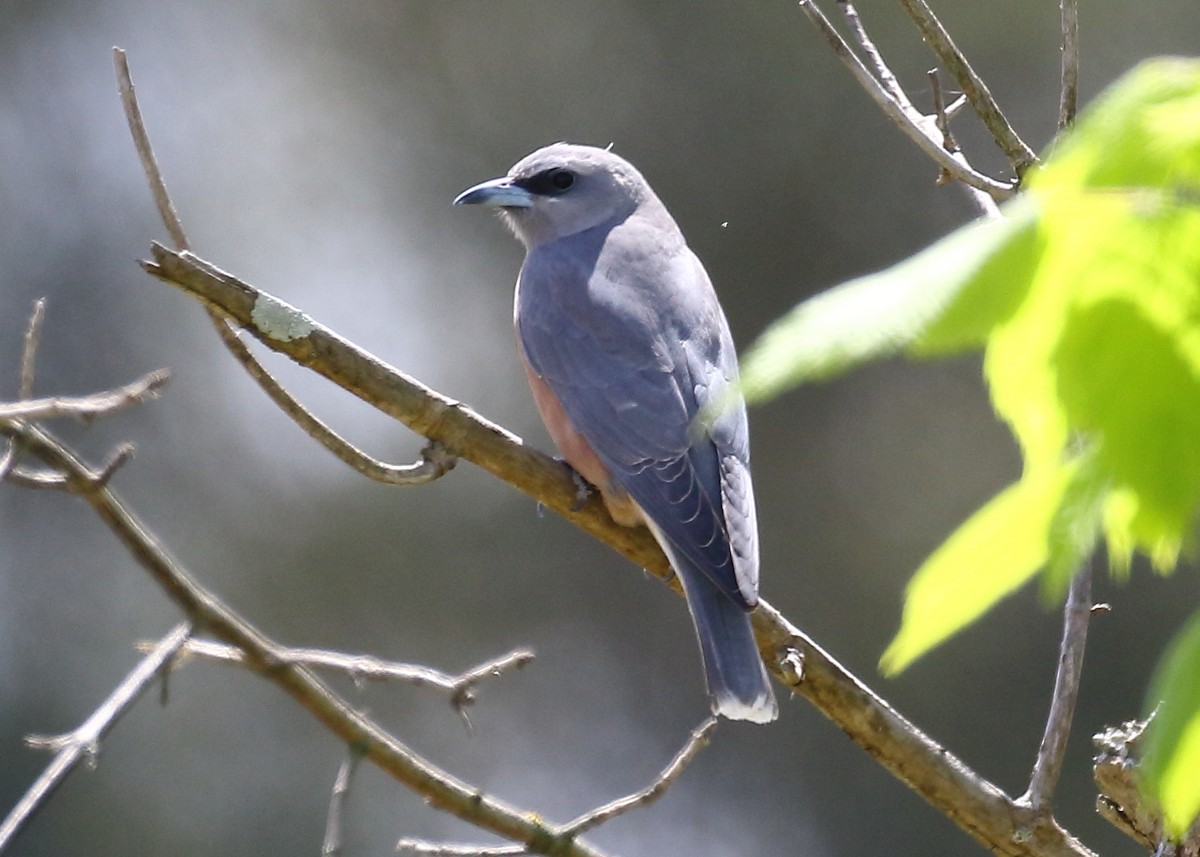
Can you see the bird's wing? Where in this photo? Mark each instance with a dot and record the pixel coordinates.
(634, 345)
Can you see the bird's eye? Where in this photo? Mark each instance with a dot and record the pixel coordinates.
(562, 180)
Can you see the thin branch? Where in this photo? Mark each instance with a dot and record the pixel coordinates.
(460, 688)
(1053, 748)
(84, 742)
(1018, 153)
(434, 462)
(331, 846)
(975, 804)
(1068, 101)
(435, 849)
(263, 655)
(697, 741)
(141, 141)
(942, 116)
(886, 78)
(907, 118)
(564, 834)
(86, 407)
(33, 336)
(940, 113)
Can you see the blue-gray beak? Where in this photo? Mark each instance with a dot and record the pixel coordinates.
(498, 193)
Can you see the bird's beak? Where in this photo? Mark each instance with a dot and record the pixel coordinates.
(499, 193)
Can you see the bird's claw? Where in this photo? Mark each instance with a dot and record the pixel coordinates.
(583, 488)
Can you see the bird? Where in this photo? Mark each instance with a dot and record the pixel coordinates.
(633, 371)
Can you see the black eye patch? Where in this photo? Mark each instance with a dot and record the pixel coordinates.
(552, 182)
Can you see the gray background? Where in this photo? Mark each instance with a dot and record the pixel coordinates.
(313, 149)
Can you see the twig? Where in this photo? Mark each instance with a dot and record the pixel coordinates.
(940, 112)
(886, 78)
(435, 849)
(434, 462)
(697, 741)
(902, 113)
(1049, 762)
(1019, 155)
(566, 833)
(84, 742)
(459, 687)
(33, 336)
(975, 804)
(331, 846)
(141, 140)
(86, 407)
(439, 788)
(1068, 101)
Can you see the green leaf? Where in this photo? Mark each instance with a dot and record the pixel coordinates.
(997, 550)
(1172, 758)
(946, 298)
(1075, 527)
(1086, 301)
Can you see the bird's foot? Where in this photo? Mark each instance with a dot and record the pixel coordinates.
(583, 489)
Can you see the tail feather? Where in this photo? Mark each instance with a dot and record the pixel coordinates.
(738, 685)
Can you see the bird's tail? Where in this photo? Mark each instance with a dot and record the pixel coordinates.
(738, 685)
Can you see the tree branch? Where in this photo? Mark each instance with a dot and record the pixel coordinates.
(1068, 101)
(917, 127)
(331, 846)
(973, 803)
(267, 658)
(460, 688)
(1053, 748)
(567, 833)
(433, 464)
(84, 742)
(1018, 153)
(85, 407)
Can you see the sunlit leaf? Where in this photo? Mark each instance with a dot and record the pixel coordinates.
(1172, 757)
(946, 298)
(993, 553)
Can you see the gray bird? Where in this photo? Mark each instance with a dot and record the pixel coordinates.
(624, 343)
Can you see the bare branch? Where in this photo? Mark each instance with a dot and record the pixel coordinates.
(141, 140)
(697, 741)
(1117, 772)
(332, 844)
(86, 407)
(886, 78)
(433, 464)
(263, 655)
(433, 849)
(1018, 153)
(359, 667)
(918, 128)
(84, 742)
(1068, 101)
(33, 335)
(1049, 762)
(940, 113)
(975, 804)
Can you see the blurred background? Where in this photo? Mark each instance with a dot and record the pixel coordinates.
(313, 149)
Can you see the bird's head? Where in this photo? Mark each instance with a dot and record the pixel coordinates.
(561, 190)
